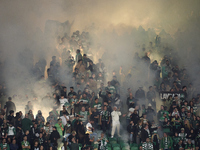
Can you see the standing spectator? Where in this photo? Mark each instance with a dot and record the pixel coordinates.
(26, 123)
(78, 55)
(131, 101)
(9, 106)
(54, 137)
(11, 131)
(110, 88)
(59, 126)
(115, 121)
(10, 117)
(151, 95)
(145, 133)
(90, 129)
(150, 113)
(140, 94)
(155, 140)
(39, 117)
(105, 119)
(28, 107)
(132, 132)
(74, 144)
(84, 115)
(30, 115)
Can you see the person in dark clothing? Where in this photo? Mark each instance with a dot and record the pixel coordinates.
(87, 140)
(140, 94)
(95, 116)
(106, 98)
(184, 95)
(74, 144)
(145, 133)
(81, 132)
(114, 82)
(46, 144)
(64, 92)
(78, 55)
(86, 60)
(92, 67)
(54, 137)
(9, 106)
(1, 110)
(179, 146)
(11, 117)
(151, 95)
(28, 136)
(132, 132)
(34, 131)
(150, 113)
(35, 146)
(14, 146)
(26, 123)
(71, 93)
(71, 136)
(155, 140)
(134, 117)
(105, 119)
(146, 59)
(131, 101)
(53, 61)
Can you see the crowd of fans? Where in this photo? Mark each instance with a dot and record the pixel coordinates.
(87, 111)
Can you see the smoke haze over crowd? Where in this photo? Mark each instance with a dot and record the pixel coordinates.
(116, 26)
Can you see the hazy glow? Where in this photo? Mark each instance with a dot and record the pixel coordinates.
(110, 22)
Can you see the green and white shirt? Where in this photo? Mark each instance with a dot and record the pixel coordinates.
(84, 100)
(25, 143)
(11, 131)
(4, 146)
(85, 115)
(147, 146)
(73, 100)
(112, 90)
(103, 143)
(166, 142)
(67, 105)
(98, 105)
(105, 115)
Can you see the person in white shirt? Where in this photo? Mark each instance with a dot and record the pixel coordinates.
(115, 121)
(11, 130)
(64, 118)
(90, 130)
(63, 101)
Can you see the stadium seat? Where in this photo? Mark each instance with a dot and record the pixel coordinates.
(112, 139)
(109, 148)
(120, 141)
(124, 145)
(113, 142)
(134, 148)
(125, 148)
(115, 145)
(134, 144)
(108, 145)
(116, 148)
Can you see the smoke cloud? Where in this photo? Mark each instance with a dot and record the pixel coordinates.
(118, 30)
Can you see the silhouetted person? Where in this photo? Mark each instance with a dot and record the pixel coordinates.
(9, 106)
